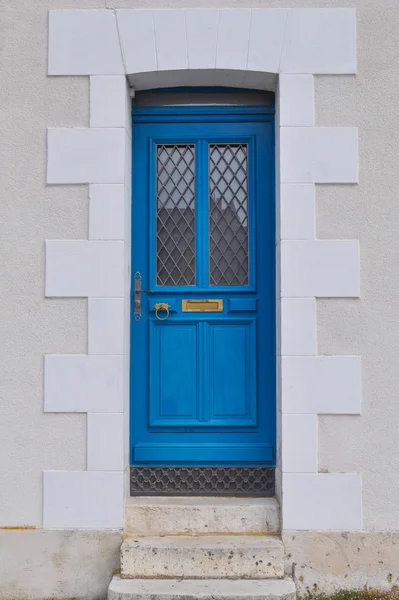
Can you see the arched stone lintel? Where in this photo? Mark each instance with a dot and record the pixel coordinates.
(108, 42)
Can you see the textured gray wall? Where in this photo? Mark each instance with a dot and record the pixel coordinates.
(31, 326)
(368, 444)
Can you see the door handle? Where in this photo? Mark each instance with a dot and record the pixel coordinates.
(137, 295)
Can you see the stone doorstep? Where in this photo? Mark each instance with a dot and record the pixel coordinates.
(152, 516)
(201, 589)
(203, 557)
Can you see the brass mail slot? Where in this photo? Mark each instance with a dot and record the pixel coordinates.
(202, 305)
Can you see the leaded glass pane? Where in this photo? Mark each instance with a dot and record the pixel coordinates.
(175, 188)
(228, 214)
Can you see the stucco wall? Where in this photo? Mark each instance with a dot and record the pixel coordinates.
(369, 212)
(31, 326)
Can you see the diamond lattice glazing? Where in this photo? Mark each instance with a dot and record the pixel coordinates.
(228, 214)
(175, 189)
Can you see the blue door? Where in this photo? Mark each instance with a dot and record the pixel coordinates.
(203, 287)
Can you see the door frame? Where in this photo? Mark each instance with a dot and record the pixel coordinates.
(97, 268)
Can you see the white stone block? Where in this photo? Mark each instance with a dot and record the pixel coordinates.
(108, 99)
(298, 326)
(297, 211)
(324, 502)
(320, 268)
(319, 41)
(83, 42)
(321, 385)
(266, 39)
(106, 383)
(128, 162)
(296, 100)
(128, 276)
(128, 217)
(82, 499)
(81, 268)
(126, 410)
(170, 39)
(86, 155)
(136, 28)
(105, 442)
(81, 383)
(233, 39)
(278, 401)
(299, 444)
(202, 29)
(107, 208)
(319, 155)
(106, 325)
(126, 331)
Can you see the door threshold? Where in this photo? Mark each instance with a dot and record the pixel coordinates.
(242, 481)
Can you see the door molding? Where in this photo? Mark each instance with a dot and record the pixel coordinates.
(273, 49)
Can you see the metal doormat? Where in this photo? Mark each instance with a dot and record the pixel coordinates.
(202, 481)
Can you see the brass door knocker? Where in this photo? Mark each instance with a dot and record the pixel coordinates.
(160, 307)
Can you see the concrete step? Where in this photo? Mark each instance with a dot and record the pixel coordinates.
(203, 557)
(190, 516)
(204, 589)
